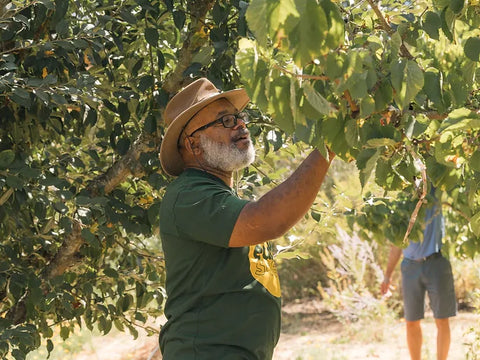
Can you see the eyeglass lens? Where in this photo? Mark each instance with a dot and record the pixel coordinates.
(231, 120)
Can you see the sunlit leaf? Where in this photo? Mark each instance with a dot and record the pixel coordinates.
(461, 119)
(315, 99)
(307, 36)
(407, 79)
(475, 224)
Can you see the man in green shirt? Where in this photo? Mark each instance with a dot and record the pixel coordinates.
(222, 284)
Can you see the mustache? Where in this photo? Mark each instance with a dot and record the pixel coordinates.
(242, 133)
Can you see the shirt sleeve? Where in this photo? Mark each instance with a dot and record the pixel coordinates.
(207, 214)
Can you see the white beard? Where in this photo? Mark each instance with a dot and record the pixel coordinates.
(223, 157)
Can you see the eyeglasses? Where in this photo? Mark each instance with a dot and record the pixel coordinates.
(228, 121)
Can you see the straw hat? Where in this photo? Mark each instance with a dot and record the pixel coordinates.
(181, 108)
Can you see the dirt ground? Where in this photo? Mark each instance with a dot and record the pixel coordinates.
(309, 333)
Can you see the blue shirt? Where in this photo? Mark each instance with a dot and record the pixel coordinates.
(432, 234)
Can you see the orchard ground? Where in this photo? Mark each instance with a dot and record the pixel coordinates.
(308, 333)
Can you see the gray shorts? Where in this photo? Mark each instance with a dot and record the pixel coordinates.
(433, 276)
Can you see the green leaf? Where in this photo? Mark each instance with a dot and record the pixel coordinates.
(432, 24)
(21, 97)
(315, 215)
(475, 161)
(280, 104)
(385, 176)
(447, 18)
(111, 272)
(18, 354)
(119, 325)
(14, 182)
(64, 332)
(161, 60)
(49, 347)
(367, 106)
(59, 99)
(146, 82)
(126, 15)
(336, 26)
(49, 4)
(151, 35)
(333, 131)
(475, 224)
(383, 96)
(315, 99)
(472, 48)
(133, 331)
(6, 158)
(123, 112)
(255, 73)
(459, 89)
(123, 145)
(366, 161)
(407, 79)
(150, 124)
(62, 27)
(266, 17)
(307, 37)
(457, 5)
(357, 85)
(88, 236)
(432, 88)
(179, 18)
(461, 119)
(61, 8)
(334, 66)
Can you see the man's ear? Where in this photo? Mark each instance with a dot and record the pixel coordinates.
(192, 146)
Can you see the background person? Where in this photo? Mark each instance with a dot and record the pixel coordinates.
(425, 270)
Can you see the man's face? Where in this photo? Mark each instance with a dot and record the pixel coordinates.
(222, 148)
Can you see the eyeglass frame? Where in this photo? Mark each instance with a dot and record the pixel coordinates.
(221, 120)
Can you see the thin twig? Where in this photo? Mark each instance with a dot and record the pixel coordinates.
(465, 216)
(301, 76)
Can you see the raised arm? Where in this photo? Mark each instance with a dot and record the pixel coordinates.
(278, 210)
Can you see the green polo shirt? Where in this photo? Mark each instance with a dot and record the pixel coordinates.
(223, 303)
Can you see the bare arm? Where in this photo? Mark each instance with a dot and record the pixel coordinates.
(278, 210)
(393, 257)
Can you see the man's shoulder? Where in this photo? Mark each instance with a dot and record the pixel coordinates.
(196, 180)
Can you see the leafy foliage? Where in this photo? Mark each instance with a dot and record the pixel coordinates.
(392, 87)
(82, 88)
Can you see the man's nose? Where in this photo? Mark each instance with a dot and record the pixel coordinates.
(240, 123)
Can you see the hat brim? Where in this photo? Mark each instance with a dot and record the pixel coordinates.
(170, 158)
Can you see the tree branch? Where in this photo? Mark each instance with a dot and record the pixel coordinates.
(423, 171)
(192, 43)
(385, 26)
(129, 164)
(66, 254)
